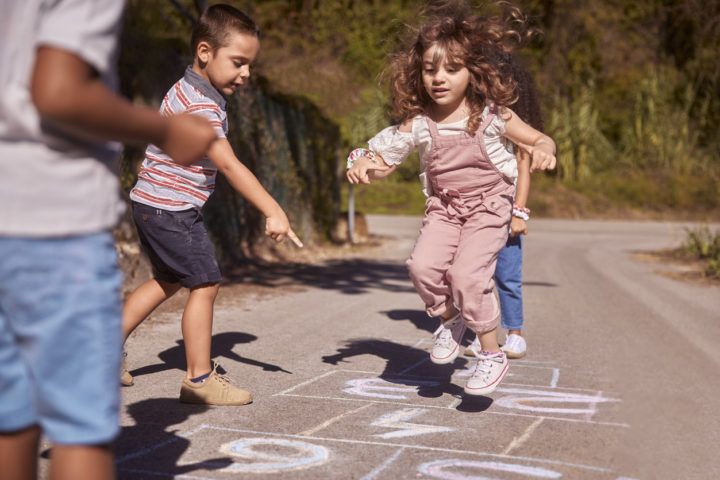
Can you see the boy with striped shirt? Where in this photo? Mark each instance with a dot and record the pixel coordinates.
(168, 197)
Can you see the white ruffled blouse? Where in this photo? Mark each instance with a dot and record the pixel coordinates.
(394, 146)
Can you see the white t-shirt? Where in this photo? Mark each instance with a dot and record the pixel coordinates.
(52, 184)
(395, 146)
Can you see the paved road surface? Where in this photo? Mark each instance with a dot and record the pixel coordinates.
(621, 380)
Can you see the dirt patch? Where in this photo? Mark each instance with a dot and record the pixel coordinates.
(681, 267)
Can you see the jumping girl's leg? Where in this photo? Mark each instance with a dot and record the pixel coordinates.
(432, 256)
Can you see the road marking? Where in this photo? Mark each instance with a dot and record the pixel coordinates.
(333, 420)
(307, 382)
(383, 466)
(437, 469)
(397, 420)
(304, 455)
(486, 412)
(413, 366)
(406, 446)
(518, 441)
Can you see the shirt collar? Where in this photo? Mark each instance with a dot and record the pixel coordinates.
(205, 87)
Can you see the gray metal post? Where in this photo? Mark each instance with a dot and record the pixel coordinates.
(351, 213)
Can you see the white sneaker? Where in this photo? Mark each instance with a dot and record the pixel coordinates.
(472, 349)
(447, 340)
(515, 346)
(488, 373)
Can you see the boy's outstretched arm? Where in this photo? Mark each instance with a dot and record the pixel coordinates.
(69, 94)
(246, 184)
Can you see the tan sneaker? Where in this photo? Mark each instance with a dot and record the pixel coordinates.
(215, 390)
(125, 378)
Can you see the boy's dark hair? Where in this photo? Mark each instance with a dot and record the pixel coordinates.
(217, 22)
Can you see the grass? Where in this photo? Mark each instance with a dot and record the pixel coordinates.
(703, 244)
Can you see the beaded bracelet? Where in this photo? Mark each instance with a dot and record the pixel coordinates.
(358, 153)
(521, 212)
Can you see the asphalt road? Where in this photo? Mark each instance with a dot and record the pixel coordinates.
(620, 380)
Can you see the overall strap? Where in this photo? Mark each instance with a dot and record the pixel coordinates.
(432, 126)
(492, 112)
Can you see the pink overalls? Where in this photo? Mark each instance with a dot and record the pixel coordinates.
(465, 226)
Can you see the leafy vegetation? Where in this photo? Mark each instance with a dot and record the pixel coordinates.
(704, 245)
(630, 90)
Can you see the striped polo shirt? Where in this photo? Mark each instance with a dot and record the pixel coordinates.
(164, 184)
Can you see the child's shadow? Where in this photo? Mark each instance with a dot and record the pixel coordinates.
(404, 365)
(150, 447)
(222, 346)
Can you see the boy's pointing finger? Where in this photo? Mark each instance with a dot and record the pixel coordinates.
(294, 238)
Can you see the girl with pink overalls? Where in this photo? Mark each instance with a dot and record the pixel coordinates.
(450, 93)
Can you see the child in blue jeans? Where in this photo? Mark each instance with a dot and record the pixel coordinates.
(508, 271)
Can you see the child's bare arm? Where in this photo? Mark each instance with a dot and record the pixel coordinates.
(68, 93)
(518, 226)
(246, 184)
(540, 147)
(364, 169)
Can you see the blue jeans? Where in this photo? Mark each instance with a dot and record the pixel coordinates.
(508, 279)
(60, 337)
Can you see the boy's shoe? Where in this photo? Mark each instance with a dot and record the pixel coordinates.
(488, 373)
(515, 346)
(214, 390)
(473, 349)
(125, 378)
(447, 340)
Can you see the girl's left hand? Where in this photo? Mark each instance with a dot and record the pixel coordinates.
(542, 157)
(361, 171)
(518, 226)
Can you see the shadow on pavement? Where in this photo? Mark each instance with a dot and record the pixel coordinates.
(222, 346)
(151, 448)
(353, 276)
(431, 380)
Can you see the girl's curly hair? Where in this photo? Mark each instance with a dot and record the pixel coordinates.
(477, 42)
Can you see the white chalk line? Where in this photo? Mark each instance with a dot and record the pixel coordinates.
(383, 466)
(402, 446)
(426, 377)
(416, 364)
(307, 382)
(420, 405)
(518, 441)
(327, 423)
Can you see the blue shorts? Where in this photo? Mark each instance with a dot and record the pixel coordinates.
(177, 244)
(60, 337)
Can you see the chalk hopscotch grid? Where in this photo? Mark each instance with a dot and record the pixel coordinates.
(453, 404)
(400, 447)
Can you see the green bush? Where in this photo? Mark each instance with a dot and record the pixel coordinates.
(703, 244)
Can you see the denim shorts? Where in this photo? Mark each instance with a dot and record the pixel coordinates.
(60, 337)
(177, 244)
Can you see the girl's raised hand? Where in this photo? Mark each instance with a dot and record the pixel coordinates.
(541, 157)
(363, 168)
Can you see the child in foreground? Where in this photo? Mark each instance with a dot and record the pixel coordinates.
(451, 96)
(59, 200)
(167, 199)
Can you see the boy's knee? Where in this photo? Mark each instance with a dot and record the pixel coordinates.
(209, 290)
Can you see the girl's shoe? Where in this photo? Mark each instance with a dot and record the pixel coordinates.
(488, 373)
(472, 349)
(447, 341)
(515, 346)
